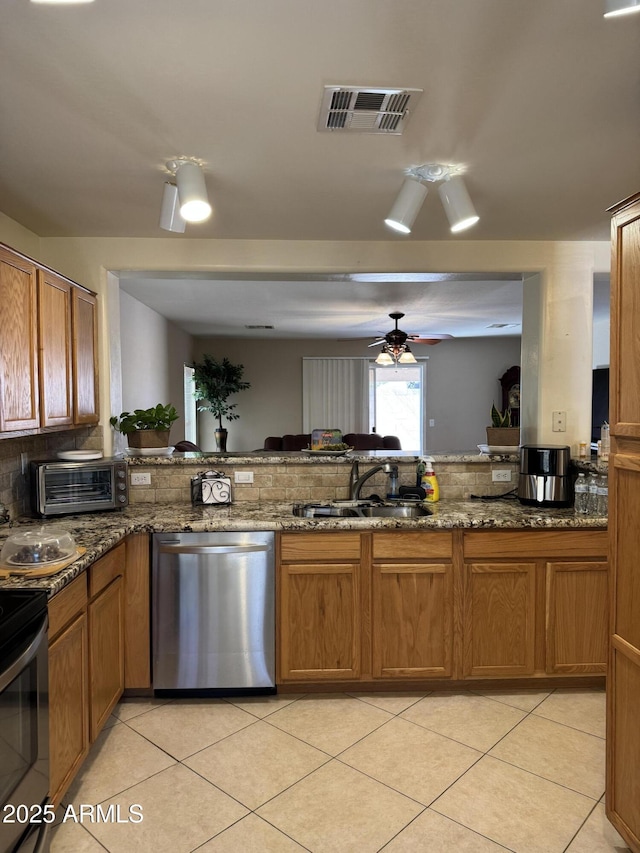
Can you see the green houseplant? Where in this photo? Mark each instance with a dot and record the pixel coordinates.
(146, 427)
(215, 382)
(502, 433)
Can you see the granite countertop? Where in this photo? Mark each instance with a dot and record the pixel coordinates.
(98, 532)
(271, 457)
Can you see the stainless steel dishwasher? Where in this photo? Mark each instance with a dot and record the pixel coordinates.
(213, 612)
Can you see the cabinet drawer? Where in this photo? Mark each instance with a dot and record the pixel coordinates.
(420, 544)
(320, 546)
(104, 570)
(65, 605)
(534, 543)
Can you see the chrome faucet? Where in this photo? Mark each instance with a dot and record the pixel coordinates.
(356, 481)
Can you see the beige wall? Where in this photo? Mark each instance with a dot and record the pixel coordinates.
(462, 382)
(153, 354)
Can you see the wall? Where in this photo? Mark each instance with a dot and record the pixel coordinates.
(462, 382)
(18, 237)
(153, 353)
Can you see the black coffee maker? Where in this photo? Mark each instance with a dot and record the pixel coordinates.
(545, 478)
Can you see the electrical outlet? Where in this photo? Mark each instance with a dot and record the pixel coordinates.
(503, 476)
(243, 477)
(559, 421)
(140, 478)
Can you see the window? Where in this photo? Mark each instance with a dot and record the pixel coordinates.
(396, 403)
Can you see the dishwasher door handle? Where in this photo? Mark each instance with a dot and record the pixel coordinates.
(177, 548)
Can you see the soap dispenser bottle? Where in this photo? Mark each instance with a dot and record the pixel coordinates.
(430, 482)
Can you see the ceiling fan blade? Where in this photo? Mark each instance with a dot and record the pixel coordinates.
(417, 339)
(377, 343)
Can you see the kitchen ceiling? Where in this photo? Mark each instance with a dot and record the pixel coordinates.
(537, 99)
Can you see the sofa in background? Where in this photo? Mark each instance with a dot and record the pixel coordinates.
(357, 440)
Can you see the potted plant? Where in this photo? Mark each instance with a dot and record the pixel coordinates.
(215, 382)
(146, 427)
(502, 433)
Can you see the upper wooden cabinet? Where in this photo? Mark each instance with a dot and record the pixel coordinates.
(54, 349)
(19, 398)
(85, 357)
(48, 349)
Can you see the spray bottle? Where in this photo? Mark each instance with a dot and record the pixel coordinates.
(429, 481)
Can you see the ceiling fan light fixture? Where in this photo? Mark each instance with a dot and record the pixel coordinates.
(407, 206)
(407, 357)
(170, 216)
(616, 8)
(192, 190)
(457, 204)
(384, 357)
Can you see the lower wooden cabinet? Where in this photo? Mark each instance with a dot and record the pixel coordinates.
(68, 685)
(86, 664)
(452, 605)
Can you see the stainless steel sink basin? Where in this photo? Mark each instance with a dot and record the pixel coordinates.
(386, 511)
(395, 511)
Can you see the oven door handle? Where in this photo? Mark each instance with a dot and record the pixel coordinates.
(27, 655)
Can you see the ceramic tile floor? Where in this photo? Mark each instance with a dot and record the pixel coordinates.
(464, 772)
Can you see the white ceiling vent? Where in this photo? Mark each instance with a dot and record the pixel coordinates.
(366, 110)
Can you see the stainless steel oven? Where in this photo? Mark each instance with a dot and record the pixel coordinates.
(26, 812)
(65, 487)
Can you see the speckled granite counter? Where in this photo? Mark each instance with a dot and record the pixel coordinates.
(98, 532)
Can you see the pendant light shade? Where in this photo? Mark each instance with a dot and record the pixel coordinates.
(407, 206)
(192, 192)
(384, 357)
(407, 357)
(170, 217)
(457, 204)
(614, 8)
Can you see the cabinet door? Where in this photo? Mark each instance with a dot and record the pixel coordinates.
(68, 705)
(19, 404)
(499, 619)
(85, 357)
(106, 654)
(54, 333)
(320, 621)
(412, 626)
(577, 619)
(137, 629)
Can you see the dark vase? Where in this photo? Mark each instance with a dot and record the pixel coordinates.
(221, 440)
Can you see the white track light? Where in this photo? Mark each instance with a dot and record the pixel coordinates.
(457, 204)
(192, 190)
(407, 206)
(170, 217)
(615, 8)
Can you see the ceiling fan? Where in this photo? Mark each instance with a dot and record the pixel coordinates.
(394, 343)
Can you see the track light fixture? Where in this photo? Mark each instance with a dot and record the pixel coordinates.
(192, 190)
(170, 217)
(452, 191)
(615, 8)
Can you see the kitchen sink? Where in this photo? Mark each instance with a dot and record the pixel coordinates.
(371, 511)
(404, 511)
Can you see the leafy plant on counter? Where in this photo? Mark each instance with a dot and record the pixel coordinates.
(215, 382)
(500, 419)
(157, 418)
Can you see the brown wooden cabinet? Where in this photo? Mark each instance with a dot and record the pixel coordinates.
(85, 357)
(320, 607)
(19, 398)
(68, 685)
(86, 664)
(535, 602)
(48, 349)
(623, 682)
(137, 613)
(412, 605)
(54, 350)
(106, 636)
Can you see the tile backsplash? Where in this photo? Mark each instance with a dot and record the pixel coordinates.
(14, 493)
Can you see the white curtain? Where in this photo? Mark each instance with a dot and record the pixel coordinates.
(335, 394)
